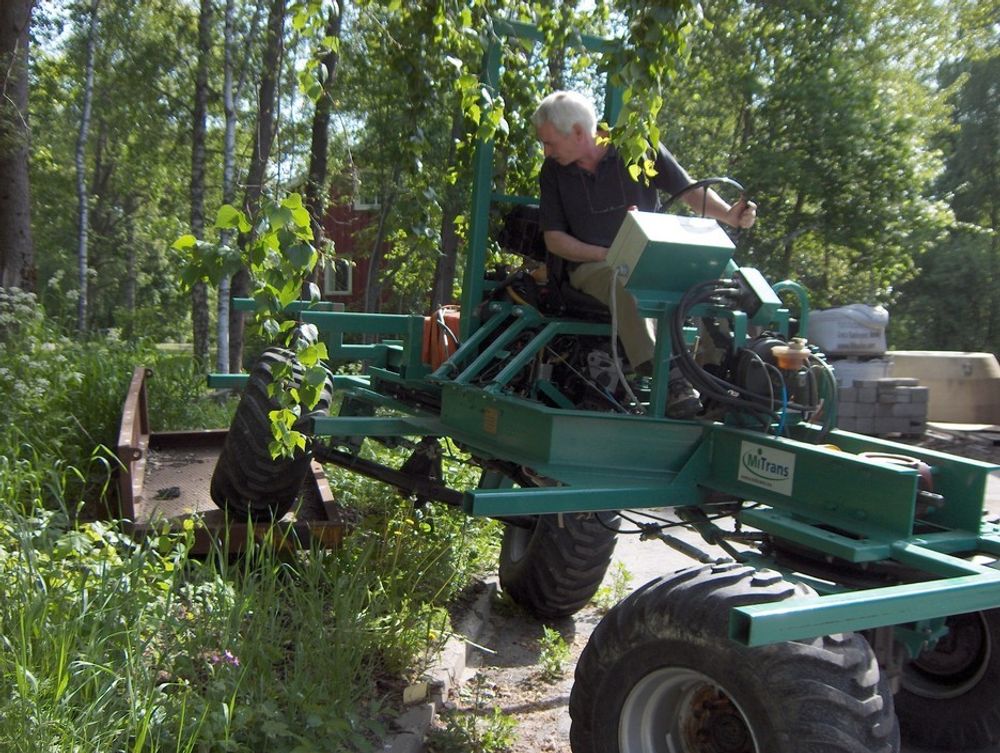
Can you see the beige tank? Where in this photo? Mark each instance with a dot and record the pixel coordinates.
(964, 387)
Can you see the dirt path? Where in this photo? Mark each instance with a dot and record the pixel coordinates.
(511, 677)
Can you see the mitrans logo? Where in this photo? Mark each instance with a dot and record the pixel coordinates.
(760, 465)
(766, 467)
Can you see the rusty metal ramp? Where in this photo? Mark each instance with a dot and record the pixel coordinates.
(164, 481)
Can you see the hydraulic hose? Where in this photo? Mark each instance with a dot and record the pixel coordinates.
(711, 386)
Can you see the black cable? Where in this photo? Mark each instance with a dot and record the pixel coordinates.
(711, 386)
(642, 528)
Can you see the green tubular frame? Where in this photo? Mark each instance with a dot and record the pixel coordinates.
(482, 183)
(809, 488)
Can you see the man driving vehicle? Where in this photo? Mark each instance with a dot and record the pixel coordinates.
(586, 189)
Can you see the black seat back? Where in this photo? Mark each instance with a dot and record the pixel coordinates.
(521, 234)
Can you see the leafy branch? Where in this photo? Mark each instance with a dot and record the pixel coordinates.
(277, 250)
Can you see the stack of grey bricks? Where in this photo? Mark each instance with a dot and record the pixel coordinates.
(883, 406)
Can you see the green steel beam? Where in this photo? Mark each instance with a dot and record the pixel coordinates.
(295, 307)
(228, 381)
(872, 499)
(510, 198)
(803, 298)
(552, 392)
(374, 352)
(376, 426)
(479, 222)
(784, 526)
(470, 347)
(524, 30)
(525, 318)
(350, 322)
(961, 481)
(548, 500)
(808, 617)
(543, 338)
(934, 562)
(351, 381)
(382, 400)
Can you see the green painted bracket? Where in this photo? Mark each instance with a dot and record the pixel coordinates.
(295, 307)
(228, 381)
(546, 500)
(961, 481)
(801, 618)
(376, 426)
(410, 327)
(538, 343)
(803, 298)
(866, 498)
(525, 317)
(499, 312)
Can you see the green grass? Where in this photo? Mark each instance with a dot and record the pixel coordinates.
(109, 645)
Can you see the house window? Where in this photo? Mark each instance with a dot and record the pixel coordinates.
(338, 277)
(365, 196)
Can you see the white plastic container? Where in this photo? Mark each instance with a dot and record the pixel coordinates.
(851, 370)
(854, 330)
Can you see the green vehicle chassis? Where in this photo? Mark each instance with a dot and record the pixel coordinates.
(834, 533)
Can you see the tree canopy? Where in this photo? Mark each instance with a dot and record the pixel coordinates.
(867, 133)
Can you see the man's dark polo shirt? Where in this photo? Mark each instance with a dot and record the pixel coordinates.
(591, 206)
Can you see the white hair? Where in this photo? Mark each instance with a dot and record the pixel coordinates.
(564, 110)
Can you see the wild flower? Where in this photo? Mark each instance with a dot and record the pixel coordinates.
(226, 658)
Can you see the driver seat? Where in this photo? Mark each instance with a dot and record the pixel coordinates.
(521, 234)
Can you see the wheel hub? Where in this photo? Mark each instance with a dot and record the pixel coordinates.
(956, 663)
(716, 725)
(680, 710)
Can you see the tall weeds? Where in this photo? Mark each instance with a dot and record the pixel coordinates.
(111, 645)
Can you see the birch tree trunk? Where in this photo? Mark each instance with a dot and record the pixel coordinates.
(199, 292)
(231, 91)
(320, 143)
(17, 253)
(373, 283)
(81, 171)
(444, 270)
(228, 190)
(261, 152)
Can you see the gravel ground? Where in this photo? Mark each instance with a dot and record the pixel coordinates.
(509, 673)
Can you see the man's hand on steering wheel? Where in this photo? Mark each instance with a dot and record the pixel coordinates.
(742, 214)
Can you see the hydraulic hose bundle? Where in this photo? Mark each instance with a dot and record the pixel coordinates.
(735, 392)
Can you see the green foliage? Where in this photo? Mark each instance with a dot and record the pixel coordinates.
(553, 655)
(179, 399)
(138, 139)
(83, 607)
(823, 113)
(829, 114)
(277, 251)
(951, 304)
(483, 729)
(42, 378)
(279, 254)
(642, 62)
(612, 593)
(110, 644)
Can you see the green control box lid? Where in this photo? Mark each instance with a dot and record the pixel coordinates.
(667, 253)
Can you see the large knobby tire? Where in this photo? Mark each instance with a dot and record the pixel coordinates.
(660, 675)
(554, 567)
(949, 696)
(247, 481)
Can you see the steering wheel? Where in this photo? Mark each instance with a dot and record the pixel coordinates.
(706, 183)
